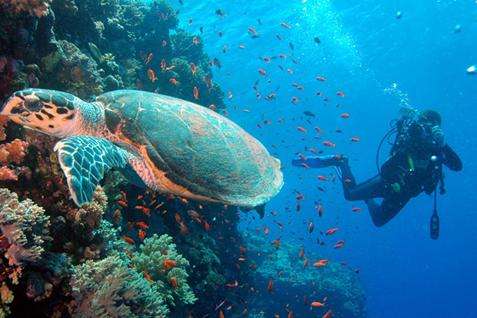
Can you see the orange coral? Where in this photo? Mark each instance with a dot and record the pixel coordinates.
(3, 122)
(7, 174)
(11, 152)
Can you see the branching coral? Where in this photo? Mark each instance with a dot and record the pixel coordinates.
(109, 288)
(34, 7)
(88, 217)
(12, 152)
(72, 70)
(25, 225)
(159, 260)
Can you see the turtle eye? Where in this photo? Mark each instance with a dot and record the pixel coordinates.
(33, 105)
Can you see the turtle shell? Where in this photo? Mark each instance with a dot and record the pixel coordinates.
(195, 148)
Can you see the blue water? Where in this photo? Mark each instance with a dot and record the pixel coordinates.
(381, 63)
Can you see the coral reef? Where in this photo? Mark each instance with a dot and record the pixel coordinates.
(24, 234)
(335, 284)
(25, 227)
(34, 7)
(158, 259)
(109, 288)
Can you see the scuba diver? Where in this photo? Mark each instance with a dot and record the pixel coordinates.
(414, 166)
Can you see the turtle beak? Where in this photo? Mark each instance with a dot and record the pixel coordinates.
(13, 106)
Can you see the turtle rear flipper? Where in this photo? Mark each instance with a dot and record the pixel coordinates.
(260, 209)
(85, 160)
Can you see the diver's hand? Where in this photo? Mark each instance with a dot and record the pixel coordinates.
(438, 136)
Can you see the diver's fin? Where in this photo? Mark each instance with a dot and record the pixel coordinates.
(85, 160)
(260, 210)
(319, 161)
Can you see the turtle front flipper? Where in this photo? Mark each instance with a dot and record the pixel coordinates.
(85, 160)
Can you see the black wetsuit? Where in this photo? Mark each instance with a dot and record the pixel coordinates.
(408, 172)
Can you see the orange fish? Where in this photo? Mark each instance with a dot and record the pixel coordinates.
(148, 277)
(173, 282)
(232, 285)
(117, 216)
(169, 263)
(276, 243)
(328, 314)
(321, 78)
(221, 314)
(311, 227)
(345, 115)
(141, 234)
(253, 33)
(322, 178)
(339, 244)
(262, 72)
(321, 263)
(331, 231)
(151, 74)
(317, 304)
(128, 240)
(142, 225)
(328, 143)
(196, 92)
(143, 209)
(122, 203)
(206, 226)
(340, 93)
(356, 209)
(149, 58)
(184, 230)
(163, 64)
(301, 254)
(193, 68)
(270, 286)
(174, 81)
(285, 25)
(319, 208)
(301, 129)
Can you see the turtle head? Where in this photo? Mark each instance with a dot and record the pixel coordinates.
(50, 112)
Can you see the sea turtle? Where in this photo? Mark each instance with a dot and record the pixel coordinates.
(165, 143)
